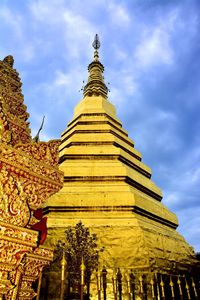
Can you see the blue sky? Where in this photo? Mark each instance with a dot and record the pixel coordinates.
(151, 53)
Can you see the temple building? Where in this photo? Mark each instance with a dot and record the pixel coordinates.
(29, 174)
(109, 189)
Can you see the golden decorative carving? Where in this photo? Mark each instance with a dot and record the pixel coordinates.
(34, 264)
(15, 242)
(11, 103)
(11, 232)
(14, 206)
(25, 183)
(46, 152)
(28, 175)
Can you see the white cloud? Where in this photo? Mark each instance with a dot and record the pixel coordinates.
(118, 14)
(189, 225)
(119, 53)
(154, 48)
(16, 42)
(79, 33)
(182, 181)
(28, 51)
(162, 126)
(62, 78)
(128, 82)
(75, 29)
(71, 80)
(194, 175)
(13, 20)
(47, 11)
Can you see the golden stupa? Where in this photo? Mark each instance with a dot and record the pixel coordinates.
(109, 189)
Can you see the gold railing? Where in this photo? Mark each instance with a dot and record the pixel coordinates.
(132, 284)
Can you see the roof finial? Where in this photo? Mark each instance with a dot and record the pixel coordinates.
(36, 138)
(96, 45)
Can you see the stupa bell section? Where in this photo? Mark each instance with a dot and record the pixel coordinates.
(109, 188)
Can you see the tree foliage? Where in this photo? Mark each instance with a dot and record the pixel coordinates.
(79, 244)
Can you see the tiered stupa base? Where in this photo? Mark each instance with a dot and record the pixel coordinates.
(108, 189)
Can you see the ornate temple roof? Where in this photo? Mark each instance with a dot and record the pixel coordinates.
(29, 168)
(28, 175)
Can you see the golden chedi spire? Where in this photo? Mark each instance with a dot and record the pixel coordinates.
(109, 189)
(95, 85)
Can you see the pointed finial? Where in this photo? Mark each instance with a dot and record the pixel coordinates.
(96, 44)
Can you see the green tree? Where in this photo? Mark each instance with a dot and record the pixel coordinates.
(79, 244)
